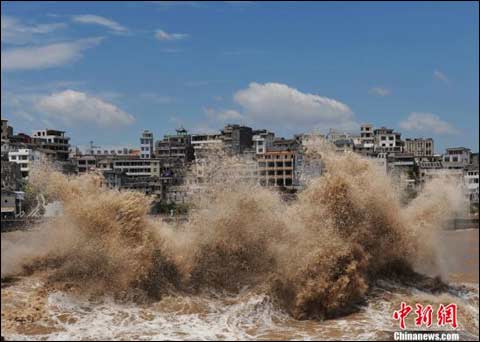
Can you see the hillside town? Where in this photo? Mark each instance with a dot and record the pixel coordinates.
(159, 167)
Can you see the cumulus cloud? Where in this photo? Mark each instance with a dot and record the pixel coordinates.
(102, 21)
(13, 31)
(380, 91)
(46, 56)
(427, 122)
(441, 76)
(281, 105)
(165, 36)
(72, 107)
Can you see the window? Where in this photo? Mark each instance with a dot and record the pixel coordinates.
(279, 164)
(271, 164)
(390, 138)
(383, 137)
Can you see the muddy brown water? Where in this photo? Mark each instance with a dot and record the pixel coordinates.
(31, 313)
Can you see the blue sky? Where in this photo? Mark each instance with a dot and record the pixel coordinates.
(104, 71)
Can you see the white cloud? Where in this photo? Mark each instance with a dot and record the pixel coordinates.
(165, 36)
(72, 107)
(46, 56)
(98, 20)
(380, 91)
(277, 104)
(14, 31)
(224, 115)
(441, 76)
(427, 122)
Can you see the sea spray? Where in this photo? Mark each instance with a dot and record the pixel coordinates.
(317, 255)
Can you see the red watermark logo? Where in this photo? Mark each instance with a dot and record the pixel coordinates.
(446, 315)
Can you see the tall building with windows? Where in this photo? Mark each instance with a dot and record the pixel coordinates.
(386, 140)
(456, 158)
(175, 148)
(276, 168)
(237, 138)
(263, 140)
(53, 143)
(146, 145)
(419, 147)
(24, 157)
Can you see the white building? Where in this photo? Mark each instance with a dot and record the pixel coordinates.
(366, 135)
(419, 146)
(456, 158)
(146, 145)
(470, 177)
(131, 167)
(24, 157)
(334, 135)
(386, 140)
(111, 151)
(263, 141)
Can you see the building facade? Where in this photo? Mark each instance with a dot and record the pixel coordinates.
(146, 145)
(456, 158)
(419, 146)
(24, 157)
(176, 148)
(276, 168)
(386, 140)
(237, 138)
(53, 143)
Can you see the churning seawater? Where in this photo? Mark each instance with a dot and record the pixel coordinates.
(332, 264)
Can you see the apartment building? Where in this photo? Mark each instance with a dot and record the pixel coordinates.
(386, 140)
(471, 182)
(24, 157)
(112, 151)
(131, 167)
(419, 146)
(262, 140)
(175, 148)
(276, 168)
(85, 163)
(146, 145)
(456, 158)
(237, 138)
(334, 135)
(53, 143)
